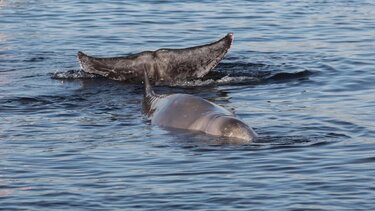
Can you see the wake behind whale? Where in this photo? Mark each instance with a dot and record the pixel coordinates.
(232, 73)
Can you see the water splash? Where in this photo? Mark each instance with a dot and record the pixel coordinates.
(72, 74)
(235, 73)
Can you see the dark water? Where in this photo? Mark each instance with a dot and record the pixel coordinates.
(301, 73)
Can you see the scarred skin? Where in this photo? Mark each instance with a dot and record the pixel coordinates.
(163, 66)
(183, 111)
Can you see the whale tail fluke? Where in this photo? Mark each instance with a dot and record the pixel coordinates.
(84, 62)
(80, 54)
(82, 57)
(173, 64)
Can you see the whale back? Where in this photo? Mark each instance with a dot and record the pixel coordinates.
(183, 110)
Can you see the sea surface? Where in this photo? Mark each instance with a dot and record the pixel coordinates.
(301, 73)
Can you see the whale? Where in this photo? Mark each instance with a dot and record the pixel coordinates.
(189, 112)
(164, 66)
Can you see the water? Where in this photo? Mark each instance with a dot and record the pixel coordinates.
(301, 73)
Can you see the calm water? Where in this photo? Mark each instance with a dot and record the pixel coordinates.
(301, 73)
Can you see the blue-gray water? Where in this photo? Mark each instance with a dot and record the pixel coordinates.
(81, 143)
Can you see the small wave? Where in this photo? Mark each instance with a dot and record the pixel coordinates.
(35, 59)
(73, 74)
(283, 76)
(225, 80)
(248, 79)
(237, 80)
(235, 66)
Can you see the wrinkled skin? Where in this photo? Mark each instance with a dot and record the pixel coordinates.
(163, 66)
